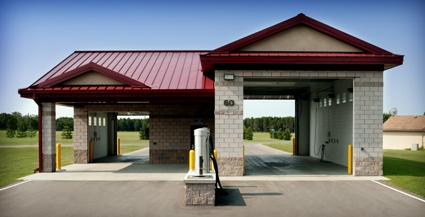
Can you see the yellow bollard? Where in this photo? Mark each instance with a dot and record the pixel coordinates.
(91, 152)
(191, 160)
(58, 156)
(215, 156)
(118, 146)
(350, 159)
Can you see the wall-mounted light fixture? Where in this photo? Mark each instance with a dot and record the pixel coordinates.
(229, 77)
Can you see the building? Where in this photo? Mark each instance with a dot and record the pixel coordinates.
(400, 132)
(336, 80)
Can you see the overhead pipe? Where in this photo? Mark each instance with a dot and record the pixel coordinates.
(40, 134)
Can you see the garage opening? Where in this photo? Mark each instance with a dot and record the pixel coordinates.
(322, 113)
(118, 136)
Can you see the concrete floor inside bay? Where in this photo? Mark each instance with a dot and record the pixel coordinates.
(261, 163)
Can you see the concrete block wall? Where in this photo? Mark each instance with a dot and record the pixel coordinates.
(200, 194)
(229, 123)
(80, 136)
(366, 113)
(169, 128)
(368, 110)
(49, 137)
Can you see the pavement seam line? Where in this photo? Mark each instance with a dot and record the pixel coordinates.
(417, 198)
(11, 186)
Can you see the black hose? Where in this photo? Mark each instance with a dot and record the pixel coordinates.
(219, 189)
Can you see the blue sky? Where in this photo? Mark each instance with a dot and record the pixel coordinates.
(36, 35)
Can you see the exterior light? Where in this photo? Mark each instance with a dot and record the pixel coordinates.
(229, 77)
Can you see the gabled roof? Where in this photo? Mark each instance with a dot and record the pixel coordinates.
(405, 124)
(91, 66)
(156, 69)
(143, 76)
(367, 57)
(301, 19)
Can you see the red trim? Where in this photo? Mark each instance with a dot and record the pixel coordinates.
(91, 67)
(302, 19)
(40, 134)
(302, 60)
(119, 94)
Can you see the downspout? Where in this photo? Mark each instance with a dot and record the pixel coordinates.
(40, 134)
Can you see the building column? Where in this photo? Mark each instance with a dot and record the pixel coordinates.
(81, 143)
(229, 124)
(49, 137)
(367, 142)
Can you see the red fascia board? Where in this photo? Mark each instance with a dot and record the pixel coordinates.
(118, 94)
(293, 59)
(305, 20)
(91, 67)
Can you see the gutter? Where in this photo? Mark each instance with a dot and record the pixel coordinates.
(40, 134)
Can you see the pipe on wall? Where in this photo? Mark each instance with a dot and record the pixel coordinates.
(40, 134)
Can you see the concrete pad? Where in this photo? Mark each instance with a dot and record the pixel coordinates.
(261, 164)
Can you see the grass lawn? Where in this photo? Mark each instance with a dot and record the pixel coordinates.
(127, 138)
(4, 141)
(406, 169)
(20, 162)
(131, 137)
(282, 147)
(265, 137)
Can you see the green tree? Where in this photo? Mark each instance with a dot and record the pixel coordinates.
(66, 132)
(31, 132)
(386, 116)
(248, 133)
(10, 133)
(64, 121)
(286, 135)
(21, 127)
(144, 132)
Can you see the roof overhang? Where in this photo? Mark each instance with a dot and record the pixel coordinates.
(117, 94)
(302, 61)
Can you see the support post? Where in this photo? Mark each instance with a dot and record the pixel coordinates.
(58, 156)
(119, 146)
(91, 151)
(350, 159)
(191, 160)
(215, 156)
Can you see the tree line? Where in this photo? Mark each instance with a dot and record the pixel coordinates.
(267, 124)
(20, 126)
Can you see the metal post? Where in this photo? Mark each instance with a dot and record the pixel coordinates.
(58, 156)
(350, 159)
(118, 146)
(191, 160)
(91, 152)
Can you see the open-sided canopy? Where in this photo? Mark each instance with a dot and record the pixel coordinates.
(299, 43)
(116, 76)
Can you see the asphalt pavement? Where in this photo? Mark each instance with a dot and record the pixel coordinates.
(165, 198)
(276, 184)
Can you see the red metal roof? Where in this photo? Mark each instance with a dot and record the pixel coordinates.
(229, 56)
(159, 70)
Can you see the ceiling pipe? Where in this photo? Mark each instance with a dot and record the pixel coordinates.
(40, 134)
